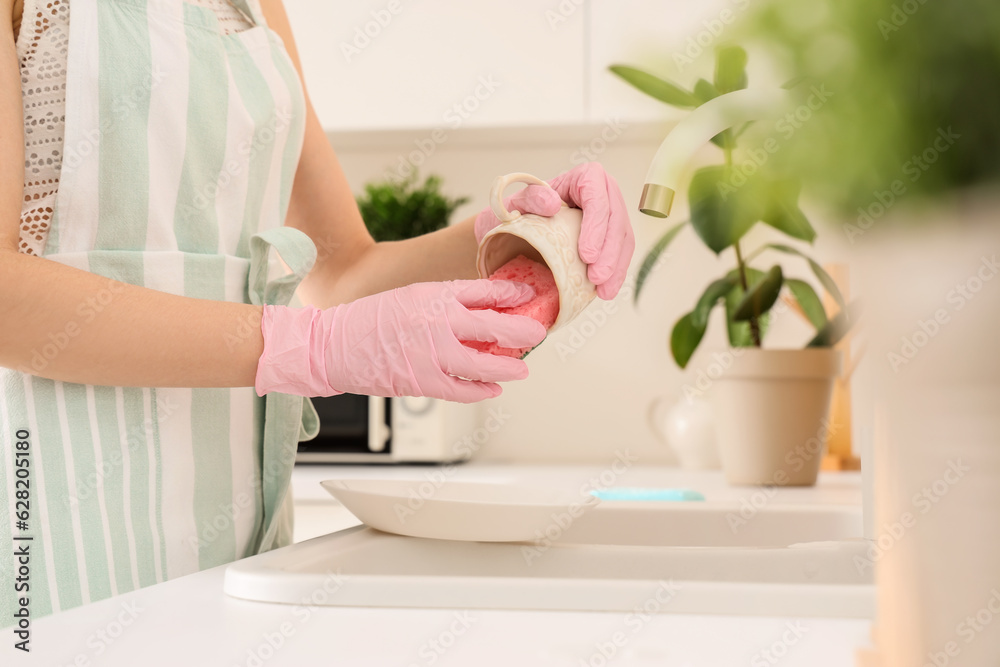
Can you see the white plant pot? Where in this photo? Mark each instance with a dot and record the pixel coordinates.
(771, 410)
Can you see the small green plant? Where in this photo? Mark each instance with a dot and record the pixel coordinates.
(395, 210)
(725, 203)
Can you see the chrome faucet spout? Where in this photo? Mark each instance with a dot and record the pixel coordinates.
(695, 131)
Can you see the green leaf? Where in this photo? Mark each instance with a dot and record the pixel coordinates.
(684, 339)
(730, 69)
(656, 87)
(782, 211)
(739, 332)
(836, 328)
(808, 300)
(705, 91)
(761, 296)
(690, 329)
(721, 213)
(716, 290)
(654, 254)
(817, 270)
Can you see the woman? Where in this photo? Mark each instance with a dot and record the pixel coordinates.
(162, 145)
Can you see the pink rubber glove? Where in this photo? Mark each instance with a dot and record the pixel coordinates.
(606, 238)
(399, 343)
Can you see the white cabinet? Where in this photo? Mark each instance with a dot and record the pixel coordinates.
(382, 64)
(674, 39)
(389, 64)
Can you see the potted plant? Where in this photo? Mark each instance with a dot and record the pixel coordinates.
(395, 210)
(770, 406)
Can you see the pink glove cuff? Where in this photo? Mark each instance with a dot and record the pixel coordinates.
(294, 338)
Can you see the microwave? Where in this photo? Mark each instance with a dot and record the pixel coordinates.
(372, 429)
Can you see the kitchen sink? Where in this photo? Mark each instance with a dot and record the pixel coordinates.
(699, 524)
(711, 557)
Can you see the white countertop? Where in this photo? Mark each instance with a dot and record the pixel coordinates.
(191, 621)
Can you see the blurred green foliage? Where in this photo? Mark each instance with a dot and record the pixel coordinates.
(915, 93)
(394, 210)
(725, 203)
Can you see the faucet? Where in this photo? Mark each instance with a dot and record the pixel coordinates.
(711, 118)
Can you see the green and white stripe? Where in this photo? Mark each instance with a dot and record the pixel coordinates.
(181, 145)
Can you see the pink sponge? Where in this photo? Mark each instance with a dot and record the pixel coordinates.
(544, 307)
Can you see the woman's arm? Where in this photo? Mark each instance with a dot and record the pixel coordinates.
(350, 263)
(141, 337)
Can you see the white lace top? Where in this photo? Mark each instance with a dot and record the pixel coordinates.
(41, 50)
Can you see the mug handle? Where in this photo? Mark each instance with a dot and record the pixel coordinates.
(502, 183)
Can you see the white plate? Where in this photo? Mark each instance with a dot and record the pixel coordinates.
(466, 511)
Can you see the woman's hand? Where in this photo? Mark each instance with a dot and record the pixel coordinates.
(404, 342)
(606, 238)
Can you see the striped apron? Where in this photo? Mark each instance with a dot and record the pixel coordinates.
(180, 149)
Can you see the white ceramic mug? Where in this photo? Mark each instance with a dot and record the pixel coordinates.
(552, 241)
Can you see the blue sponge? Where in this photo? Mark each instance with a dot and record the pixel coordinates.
(634, 493)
